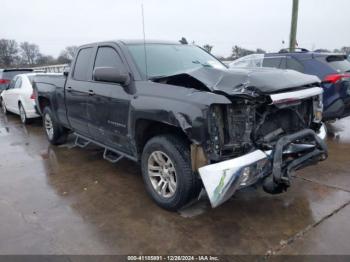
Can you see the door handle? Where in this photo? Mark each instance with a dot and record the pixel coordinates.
(69, 89)
(91, 92)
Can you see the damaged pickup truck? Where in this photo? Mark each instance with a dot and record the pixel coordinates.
(190, 123)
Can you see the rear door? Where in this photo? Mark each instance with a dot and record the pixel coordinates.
(77, 91)
(108, 109)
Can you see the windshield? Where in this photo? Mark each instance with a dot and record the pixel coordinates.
(171, 59)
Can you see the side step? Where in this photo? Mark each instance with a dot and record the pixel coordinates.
(111, 156)
(81, 142)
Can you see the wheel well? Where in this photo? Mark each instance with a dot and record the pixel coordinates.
(146, 129)
(43, 102)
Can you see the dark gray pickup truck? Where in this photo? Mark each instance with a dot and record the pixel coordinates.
(191, 123)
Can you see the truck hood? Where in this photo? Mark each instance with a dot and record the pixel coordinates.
(249, 81)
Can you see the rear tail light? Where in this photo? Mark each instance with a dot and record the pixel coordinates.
(33, 96)
(335, 78)
(4, 81)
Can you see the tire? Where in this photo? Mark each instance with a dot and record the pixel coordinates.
(55, 133)
(23, 115)
(3, 107)
(186, 181)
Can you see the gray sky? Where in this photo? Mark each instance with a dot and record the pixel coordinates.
(222, 23)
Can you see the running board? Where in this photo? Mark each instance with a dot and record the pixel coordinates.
(109, 153)
(111, 156)
(81, 142)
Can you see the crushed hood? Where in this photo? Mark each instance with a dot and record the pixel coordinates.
(249, 81)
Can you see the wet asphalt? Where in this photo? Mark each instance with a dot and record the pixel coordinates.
(68, 200)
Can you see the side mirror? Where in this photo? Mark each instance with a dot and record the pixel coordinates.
(66, 71)
(111, 74)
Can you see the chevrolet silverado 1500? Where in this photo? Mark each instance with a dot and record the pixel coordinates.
(191, 123)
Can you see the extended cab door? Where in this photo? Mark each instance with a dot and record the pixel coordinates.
(77, 91)
(109, 104)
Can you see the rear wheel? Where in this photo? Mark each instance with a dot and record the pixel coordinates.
(23, 115)
(167, 172)
(3, 107)
(55, 133)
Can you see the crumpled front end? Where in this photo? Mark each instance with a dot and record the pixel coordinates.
(269, 141)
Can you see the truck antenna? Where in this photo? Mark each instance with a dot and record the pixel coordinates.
(144, 39)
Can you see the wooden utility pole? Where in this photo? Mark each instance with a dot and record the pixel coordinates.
(293, 28)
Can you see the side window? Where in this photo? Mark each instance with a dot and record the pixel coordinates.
(283, 64)
(108, 57)
(272, 62)
(82, 64)
(13, 82)
(295, 65)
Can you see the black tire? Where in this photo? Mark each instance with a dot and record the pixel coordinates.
(23, 114)
(3, 107)
(187, 182)
(59, 133)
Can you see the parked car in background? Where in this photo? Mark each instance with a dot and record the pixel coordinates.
(186, 118)
(19, 98)
(333, 69)
(6, 75)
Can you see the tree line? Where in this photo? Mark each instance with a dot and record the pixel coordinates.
(238, 51)
(25, 54)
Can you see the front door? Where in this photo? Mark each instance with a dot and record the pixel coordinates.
(108, 109)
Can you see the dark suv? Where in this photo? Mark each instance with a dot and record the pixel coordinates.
(333, 69)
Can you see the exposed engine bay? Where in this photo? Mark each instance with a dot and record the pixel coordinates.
(271, 128)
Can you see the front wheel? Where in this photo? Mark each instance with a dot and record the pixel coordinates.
(167, 172)
(55, 133)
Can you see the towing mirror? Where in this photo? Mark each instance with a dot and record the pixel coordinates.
(111, 74)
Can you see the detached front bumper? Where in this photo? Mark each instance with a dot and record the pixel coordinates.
(221, 180)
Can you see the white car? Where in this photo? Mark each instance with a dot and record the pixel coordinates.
(19, 98)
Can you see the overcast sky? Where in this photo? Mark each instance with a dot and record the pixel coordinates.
(222, 23)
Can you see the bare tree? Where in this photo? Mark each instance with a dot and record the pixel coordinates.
(44, 60)
(345, 50)
(238, 52)
(67, 55)
(8, 52)
(208, 47)
(183, 41)
(29, 53)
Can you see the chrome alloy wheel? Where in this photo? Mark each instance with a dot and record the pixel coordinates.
(162, 174)
(48, 126)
